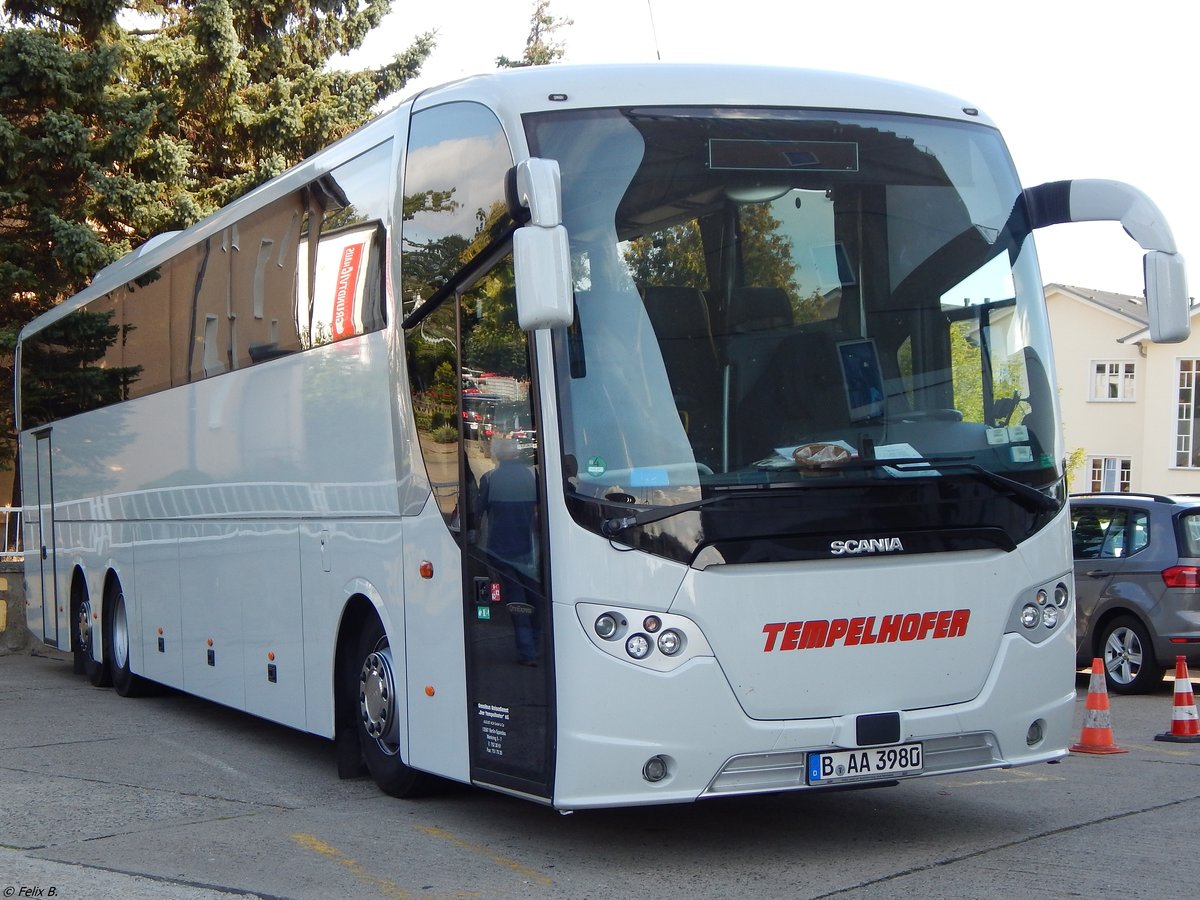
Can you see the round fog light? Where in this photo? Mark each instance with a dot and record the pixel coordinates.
(670, 642)
(1030, 616)
(655, 769)
(606, 626)
(1035, 734)
(638, 646)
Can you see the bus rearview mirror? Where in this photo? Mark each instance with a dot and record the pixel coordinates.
(1167, 297)
(541, 254)
(1096, 200)
(542, 263)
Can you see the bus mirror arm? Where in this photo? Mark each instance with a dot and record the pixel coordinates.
(541, 253)
(534, 192)
(1095, 200)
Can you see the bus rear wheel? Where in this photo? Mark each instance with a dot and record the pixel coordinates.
(116, 648)
(378, 715)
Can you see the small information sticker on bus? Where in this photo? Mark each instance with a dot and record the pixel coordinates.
(874, 762)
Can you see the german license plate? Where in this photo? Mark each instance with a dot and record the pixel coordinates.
(873, 762)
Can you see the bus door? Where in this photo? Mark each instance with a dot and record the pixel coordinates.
(458, 160)
(507, 614)
(47, 591)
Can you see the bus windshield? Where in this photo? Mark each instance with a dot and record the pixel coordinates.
(799, 320)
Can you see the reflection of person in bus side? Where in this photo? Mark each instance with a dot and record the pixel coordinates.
(507, 509)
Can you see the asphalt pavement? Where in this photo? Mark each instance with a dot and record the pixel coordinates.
(173, 797)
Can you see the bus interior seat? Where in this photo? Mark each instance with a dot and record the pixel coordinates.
(758, 309)
(754, 320)
(679, 316)
(799, 396)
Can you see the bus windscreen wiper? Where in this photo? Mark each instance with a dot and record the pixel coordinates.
(915, 465)
(615, 525)
(1029, 496)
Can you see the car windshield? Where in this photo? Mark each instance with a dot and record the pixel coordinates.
(795, 299)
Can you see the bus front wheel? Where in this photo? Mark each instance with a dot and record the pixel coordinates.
(84, 638)
(378, 715)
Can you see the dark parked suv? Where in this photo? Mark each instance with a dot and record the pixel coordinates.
(1137, 584)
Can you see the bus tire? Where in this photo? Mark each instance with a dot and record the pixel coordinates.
(85, 638)
(80, 628)
(116, 647)
(377, 715)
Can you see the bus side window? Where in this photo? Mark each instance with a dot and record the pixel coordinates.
(453, 210)
(208, 353)
(263, 282)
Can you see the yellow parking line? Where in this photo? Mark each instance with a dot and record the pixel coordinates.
(315, 844)
(524, 871)
(1009, 775)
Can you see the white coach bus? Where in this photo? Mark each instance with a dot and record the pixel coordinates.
(603, 436)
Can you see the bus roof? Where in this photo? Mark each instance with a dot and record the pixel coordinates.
(536, 88)
(513, 92)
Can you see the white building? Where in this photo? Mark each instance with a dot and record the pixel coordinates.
(1130, 404)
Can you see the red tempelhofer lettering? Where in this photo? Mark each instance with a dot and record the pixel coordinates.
(837, 630)
(943, 624)
(772, 632)
(958, 622)
(928, 621)
(814, 634)
(791, 636)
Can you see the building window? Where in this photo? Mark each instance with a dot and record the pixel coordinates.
(1187, 427)
(1110, 473)
(1113, 380)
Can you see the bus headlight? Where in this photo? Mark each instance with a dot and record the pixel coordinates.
(607, 625)
(1040, 611)
(638, 646)
(659, 641)
(670, 642)
(1062, 596)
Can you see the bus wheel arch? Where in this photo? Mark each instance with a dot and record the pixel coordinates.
(368, 703)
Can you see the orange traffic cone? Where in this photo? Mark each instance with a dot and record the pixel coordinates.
(1097, 735)
(1185, 726)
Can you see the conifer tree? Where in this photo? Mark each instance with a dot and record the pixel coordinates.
(120, 119)
(541, 49)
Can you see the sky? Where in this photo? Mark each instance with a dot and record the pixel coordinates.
(1096, 89)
